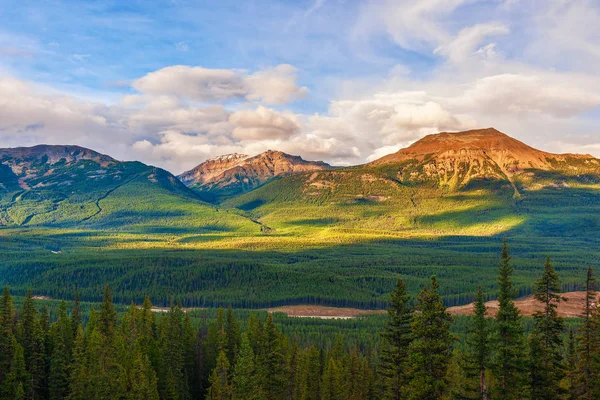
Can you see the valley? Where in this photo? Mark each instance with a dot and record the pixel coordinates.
(336, 237)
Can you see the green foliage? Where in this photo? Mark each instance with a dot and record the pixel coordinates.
(397, 339)
(430, 352)
(547, 369)
(510, 361)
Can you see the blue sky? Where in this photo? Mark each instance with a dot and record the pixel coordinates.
(175, 82)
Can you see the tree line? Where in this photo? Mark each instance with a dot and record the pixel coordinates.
(145, 355)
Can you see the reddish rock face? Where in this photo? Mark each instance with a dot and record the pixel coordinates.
(239, 173)
(457, 158)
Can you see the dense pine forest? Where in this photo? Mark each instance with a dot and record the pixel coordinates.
(142, 354)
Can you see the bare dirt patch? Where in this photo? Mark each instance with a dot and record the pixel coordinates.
(571, 308)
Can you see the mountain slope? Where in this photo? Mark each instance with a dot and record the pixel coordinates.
(74, 186)
(233, 174)
(460, 158)
(467, 183)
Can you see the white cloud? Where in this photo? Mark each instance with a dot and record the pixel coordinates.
(263, 123)
(519, 94)
(465, 44)
(275, 85)
(197, 83)
(413, 25)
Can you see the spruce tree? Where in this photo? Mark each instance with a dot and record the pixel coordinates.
(510, 350)
(31, 337)
(272, 366)
(243, 381)
(107, 320)
(589, 341)
(232, 336)
(79, 374)
(478, 346)
(58, 379)
(571, 363)
(7, 318)
(17, 378)
(431, 349)
(397, 338)
(76, 314)
(309, 375)
(220, 388)
(547, 370)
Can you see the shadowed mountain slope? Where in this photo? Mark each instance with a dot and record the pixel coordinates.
(71, 185)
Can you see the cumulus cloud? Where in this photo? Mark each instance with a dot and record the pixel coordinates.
(24, 105)
(197, 83)
(275, 85)
(263, 123)
(518, 94)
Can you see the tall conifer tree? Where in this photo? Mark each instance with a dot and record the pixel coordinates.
(478, 346)
(510, 349)
(548, 370)
(431, 349)
(397, 338)
(589, 341)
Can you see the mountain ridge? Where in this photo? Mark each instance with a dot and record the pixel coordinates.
(233, 174)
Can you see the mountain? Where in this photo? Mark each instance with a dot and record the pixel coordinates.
(232, 174)
(464, 183)
(328, 236)
(72, 185)
(459, 158)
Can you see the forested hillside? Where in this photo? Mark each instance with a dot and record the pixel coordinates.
(145, 355)
(72, 218)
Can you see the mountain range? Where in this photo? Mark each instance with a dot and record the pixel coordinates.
(232, 174)
(274, 229)
(67, 184)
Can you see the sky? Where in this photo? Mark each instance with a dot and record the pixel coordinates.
(175, 82)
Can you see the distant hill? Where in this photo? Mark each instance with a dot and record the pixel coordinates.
(72, 185)
(232, 174)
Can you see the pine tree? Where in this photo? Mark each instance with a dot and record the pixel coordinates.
(431, 349)
(397, 338)
(309, 375)
(272, 368)
(17, 375)
(589, 341)
(141, 378)
(31, 337)
(79, 376)
(7, 318)
(232, 336)
(107, 319)
(173, 383)
(510, 361)
(220, 388)
(58, 379)
(243, 381)
(571, 362)
(478, 346)
(76, 314)
(548, 370)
